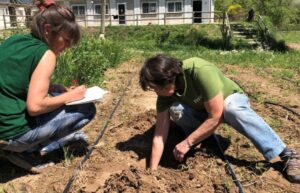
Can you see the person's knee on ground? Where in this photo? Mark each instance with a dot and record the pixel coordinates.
(59, 140)
(59, 143)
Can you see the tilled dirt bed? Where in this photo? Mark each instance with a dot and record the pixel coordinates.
(118, 162)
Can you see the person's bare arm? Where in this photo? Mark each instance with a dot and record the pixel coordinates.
(214, 108)
(159, 138)
(38, 101)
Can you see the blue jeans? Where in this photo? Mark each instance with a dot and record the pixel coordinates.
(238, 114)
(53, 126)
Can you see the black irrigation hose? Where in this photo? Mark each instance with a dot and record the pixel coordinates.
(283, 106)
(269, 102)
(228, 166)
(86, 157)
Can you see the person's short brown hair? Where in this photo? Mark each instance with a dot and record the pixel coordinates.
(159, 71)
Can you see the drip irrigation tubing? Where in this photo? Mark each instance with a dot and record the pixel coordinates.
(269, 102)
(228, 166)
(101, 133)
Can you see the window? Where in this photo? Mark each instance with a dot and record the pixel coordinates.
(19, 12)
(98, 9)
(78, 9)
(175, 6)
(149, 7)
(3, 11)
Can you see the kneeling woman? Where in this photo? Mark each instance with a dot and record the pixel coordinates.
(29, 117)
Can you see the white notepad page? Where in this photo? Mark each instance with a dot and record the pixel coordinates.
(92, 94)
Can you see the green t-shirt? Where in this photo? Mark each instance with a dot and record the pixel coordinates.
(19, 56)
(203, 81)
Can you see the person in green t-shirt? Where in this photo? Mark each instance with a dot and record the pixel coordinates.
(198, 98)
(31, 119)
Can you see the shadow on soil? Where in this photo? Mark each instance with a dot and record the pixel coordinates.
(10, 171)
(141, 144)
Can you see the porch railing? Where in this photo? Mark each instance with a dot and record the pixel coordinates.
(151, 19)
(128, 19)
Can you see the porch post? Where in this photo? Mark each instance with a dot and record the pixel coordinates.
(89, 12)
(188, 11)
(113, 11)
(212, 9)
(161, 12)
(208, 8)
(137, 10)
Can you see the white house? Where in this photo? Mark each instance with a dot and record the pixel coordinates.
(142, 12)
(6, 17)
(3, 12)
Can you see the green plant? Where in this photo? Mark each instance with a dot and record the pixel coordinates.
(261, 167)
(284, 74)
(133, 41)
(87, 61)
(235, 11)
(68, 156)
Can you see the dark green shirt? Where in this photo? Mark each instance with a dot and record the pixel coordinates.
(19, 56)
(203, 81)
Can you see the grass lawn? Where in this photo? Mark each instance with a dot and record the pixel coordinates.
(289, 36)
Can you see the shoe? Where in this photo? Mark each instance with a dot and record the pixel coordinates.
(54, 145)
(291, 163)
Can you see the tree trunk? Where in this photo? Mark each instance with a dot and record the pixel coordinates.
(103, 13)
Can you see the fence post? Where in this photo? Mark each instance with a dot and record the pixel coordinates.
(85, 18)
(164, 18)
(4, 21)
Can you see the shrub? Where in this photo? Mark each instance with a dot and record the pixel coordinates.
(87, 61)
(235, 12)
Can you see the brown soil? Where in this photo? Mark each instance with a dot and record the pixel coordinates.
(118, 162)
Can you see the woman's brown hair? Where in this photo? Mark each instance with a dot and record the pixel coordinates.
(59, 18)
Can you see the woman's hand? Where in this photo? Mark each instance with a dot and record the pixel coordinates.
(76, 93)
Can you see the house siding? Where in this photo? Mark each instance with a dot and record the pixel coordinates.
(135, 16)
(3, 11)
(148, 18)
(5, 21)
(133, 12)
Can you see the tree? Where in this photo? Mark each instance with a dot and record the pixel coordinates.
(103, 13)
(280, 12)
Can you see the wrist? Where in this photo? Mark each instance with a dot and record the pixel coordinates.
(188, 142)
(153, 167)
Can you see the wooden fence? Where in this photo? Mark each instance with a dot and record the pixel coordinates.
(19, 21)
